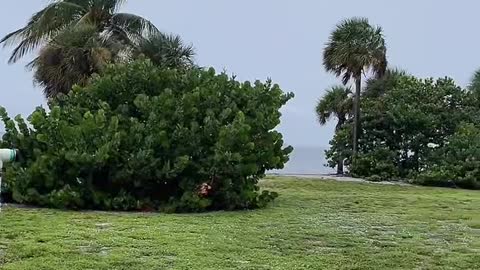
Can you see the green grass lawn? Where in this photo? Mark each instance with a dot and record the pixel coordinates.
(312, 225)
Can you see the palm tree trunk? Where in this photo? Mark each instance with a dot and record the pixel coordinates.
(340, 171)
(356, 127)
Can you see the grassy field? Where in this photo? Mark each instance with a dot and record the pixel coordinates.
(313, 225)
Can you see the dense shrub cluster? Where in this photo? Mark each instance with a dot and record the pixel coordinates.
(412, 129)
(457, 163)
(140, 137)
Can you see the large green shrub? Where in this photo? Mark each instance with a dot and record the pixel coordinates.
(400, 122)
(139, 137)
(457, 163)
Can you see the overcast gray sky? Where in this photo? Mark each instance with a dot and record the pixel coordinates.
(284, 40)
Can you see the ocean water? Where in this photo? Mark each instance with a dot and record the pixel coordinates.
(306, 160)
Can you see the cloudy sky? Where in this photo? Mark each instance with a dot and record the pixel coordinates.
(283, 39)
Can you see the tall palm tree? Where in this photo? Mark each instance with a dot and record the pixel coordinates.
(166, 51)
(336, 102)
(62, 15)
(354, 48)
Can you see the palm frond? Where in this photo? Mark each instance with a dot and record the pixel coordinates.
(115, 33)
(111, 6)
(42, 26)
(134, 26)
(167, 50)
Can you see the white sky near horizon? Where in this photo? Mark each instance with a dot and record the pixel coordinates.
(283, 40)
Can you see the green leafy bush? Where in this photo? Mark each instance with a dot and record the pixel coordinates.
(143, 138)
(400, 121)
(457, 163)
(378, 165)
(340, 146)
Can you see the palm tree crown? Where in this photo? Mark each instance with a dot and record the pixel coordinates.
(336, 102)
(61, 15)
(72, 57)
(355, 47)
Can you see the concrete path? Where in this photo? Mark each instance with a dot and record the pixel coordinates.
(339, 178)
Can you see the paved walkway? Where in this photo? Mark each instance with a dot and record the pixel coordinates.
(339, 178)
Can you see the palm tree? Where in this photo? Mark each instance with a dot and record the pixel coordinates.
(72, 57)
(336, 102)
(354, 48)
(63, 15)
(166, 51)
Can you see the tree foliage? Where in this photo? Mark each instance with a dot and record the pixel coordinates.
(406, 123)
(376, 87)
(413, 114)
(141, 137)
(457, 163)
(474, 85)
